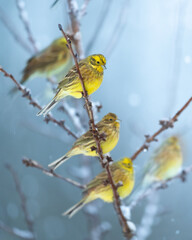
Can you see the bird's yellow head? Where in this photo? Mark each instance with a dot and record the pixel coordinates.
(172, 140)
(126, 163)
(97, 61)
(111, 119)
(60, 42)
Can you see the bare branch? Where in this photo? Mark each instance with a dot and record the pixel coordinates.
(73, 115)
(23, 16)
(27, 95)
(75, 25)
(162, 185)
(28, 218)
(148, 218)
(9, 25)
(117, 203)
(83, 9)
(23, 234)
(102, 17)
(165, 124)
(31, 163)
(118, 29)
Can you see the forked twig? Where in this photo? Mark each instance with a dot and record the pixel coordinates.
(165, 124)
(27, 95)
(31, 163)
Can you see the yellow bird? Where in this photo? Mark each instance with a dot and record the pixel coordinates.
(91, 69)
(165, 163)
(51, 61)
(122, 171)
(108, 127)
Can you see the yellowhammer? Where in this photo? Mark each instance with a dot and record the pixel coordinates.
(122, 171)
(51, 61)
(91, 69)
(108, 128)
(165, 163)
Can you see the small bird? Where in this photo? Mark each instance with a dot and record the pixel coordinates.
(91, 69)
(165, 163)
(122, 172)
(51, 61)
(108, 128)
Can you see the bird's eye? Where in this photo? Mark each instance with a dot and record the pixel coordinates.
(111, 119)
(129, 165)
(98, 62)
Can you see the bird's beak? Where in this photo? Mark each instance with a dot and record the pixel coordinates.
(105, 66)
(118, 120)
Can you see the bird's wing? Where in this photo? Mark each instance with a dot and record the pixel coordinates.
(86, 140)
(72, 75)
(102, 178)
(45, 60)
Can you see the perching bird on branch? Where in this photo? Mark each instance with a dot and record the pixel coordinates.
(108, 129)
(91, 69)
(122, 172)
(51, 61)
(165, 163)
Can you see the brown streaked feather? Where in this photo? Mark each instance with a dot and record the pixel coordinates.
(45, 61)
(101, 179)
(87, 140)
(72, 75)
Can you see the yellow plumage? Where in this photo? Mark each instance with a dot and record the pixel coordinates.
(91, 69)
(165, 163)
(108, 127)
(51, 61)
(99, 187)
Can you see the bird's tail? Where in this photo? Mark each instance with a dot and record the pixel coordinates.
(73, 210)
(48, 107)
(58, 162)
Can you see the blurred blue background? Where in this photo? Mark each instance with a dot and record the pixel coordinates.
(148, 78)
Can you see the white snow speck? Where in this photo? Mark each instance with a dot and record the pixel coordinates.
(126, 212)
(132, 226)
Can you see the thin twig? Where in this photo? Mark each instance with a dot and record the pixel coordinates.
(75, 25)
(162, 185)
(149, 216)
(10, 26)
(173, 81)
(99, 25)
(27, 95)
(83, 9)
(165, 124)
(117, 203)
(23, 16)
(31, 163)
(73, 115)
(118, 29)
(28, 219)
(23, 234)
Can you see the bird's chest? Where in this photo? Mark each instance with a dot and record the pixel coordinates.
(110, 142)
(92, 81)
